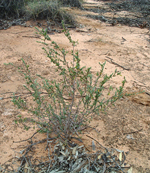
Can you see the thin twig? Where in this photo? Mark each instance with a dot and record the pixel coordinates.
(26, 139)
(31, 36)
(133, 131)
(30, 95)
(111, 60)
(97, 142)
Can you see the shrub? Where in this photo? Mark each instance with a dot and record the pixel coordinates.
(37, 9)
(65, 107)
(50, 10)
(11, 8)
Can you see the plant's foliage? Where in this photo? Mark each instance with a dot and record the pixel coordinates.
(38, 9)
(11, 8)
(66, 107)
(50, 10)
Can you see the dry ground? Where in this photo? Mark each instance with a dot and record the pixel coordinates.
(126, 126)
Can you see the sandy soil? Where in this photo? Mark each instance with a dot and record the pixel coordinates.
(126, 126)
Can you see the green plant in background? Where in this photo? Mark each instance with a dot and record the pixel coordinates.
(51, 10)
(65, 107)
(11, 8)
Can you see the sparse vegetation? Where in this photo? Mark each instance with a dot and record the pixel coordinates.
(50, 10)
(38, 9)
(66, 106)
(11, 8)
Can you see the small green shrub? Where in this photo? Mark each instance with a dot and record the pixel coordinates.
(65, 107)
(37, 9)
(51, 10)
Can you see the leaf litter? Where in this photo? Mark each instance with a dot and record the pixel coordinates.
(62, 158)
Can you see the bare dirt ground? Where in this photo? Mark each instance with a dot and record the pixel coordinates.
(126, 126)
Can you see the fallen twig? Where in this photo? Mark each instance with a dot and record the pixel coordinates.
(26, 139)
(111, 61)
(133, 131)
(37, 36)
(97, 142)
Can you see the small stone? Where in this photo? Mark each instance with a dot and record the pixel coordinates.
(45, 72)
